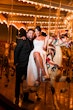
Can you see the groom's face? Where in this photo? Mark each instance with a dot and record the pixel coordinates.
(30, 35)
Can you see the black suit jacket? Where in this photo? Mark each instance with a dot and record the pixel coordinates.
(22, 52)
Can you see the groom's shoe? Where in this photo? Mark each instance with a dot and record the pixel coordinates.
(26, 98)
(16, 101)
(28, 101)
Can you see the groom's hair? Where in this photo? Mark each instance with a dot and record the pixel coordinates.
(30, 30)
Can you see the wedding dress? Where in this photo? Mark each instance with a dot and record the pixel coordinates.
(32, 74)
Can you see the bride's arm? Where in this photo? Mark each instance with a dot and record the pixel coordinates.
(46, 43)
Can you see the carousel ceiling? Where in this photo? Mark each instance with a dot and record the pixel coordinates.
(47, 13)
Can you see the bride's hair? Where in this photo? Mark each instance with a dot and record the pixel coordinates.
(38, 28)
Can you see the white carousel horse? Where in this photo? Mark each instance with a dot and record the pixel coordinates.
(58, 43)
(54, 62)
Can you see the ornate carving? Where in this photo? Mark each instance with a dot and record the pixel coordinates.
(38, 7)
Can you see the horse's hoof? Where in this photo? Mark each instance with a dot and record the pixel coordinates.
(68, 80)
(63, 90)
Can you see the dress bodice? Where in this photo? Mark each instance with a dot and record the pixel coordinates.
(38, 44)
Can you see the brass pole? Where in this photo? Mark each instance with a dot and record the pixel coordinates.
(10, 33)
(58, 18)
(49, 18)
(35, 18)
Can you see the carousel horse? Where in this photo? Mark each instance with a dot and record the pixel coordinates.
(57, 42)
(5, 65)
(54, 62)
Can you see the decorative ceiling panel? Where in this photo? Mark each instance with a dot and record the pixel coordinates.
(15, 10)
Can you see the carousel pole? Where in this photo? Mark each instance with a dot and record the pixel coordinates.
(49, 24)
(35, 18)
(10, 29)
(57, 19)
(47, 42)
(54, 97)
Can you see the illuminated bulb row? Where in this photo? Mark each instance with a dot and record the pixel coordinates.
(34, 27)
(48, 22)
(61, 26)
(47, 26)
(44, 5)
(68, 19)
(3, 21)
(17, 26)
(31, 15)
(33, 22)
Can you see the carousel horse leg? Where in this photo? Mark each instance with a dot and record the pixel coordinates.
(64, 79)
(54, 97)
(7, 76)
(55, 102)
(1, 71)
(6, 67)
(1, 67)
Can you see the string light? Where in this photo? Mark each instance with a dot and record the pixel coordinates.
(31, 15)
(47, 27)
(47, 6)
(69, 17)
(33, 22)
(29, 22)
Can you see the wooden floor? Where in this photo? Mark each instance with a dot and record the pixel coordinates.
(64, 100)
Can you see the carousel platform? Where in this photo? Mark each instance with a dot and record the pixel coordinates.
(64, 96)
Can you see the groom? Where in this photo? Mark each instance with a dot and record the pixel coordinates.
(21, 56)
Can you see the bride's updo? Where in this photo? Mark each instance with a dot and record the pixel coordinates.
(38, 28)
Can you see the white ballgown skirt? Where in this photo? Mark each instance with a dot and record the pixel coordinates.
(32, 73)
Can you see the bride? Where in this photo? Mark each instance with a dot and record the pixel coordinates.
(37, 60)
